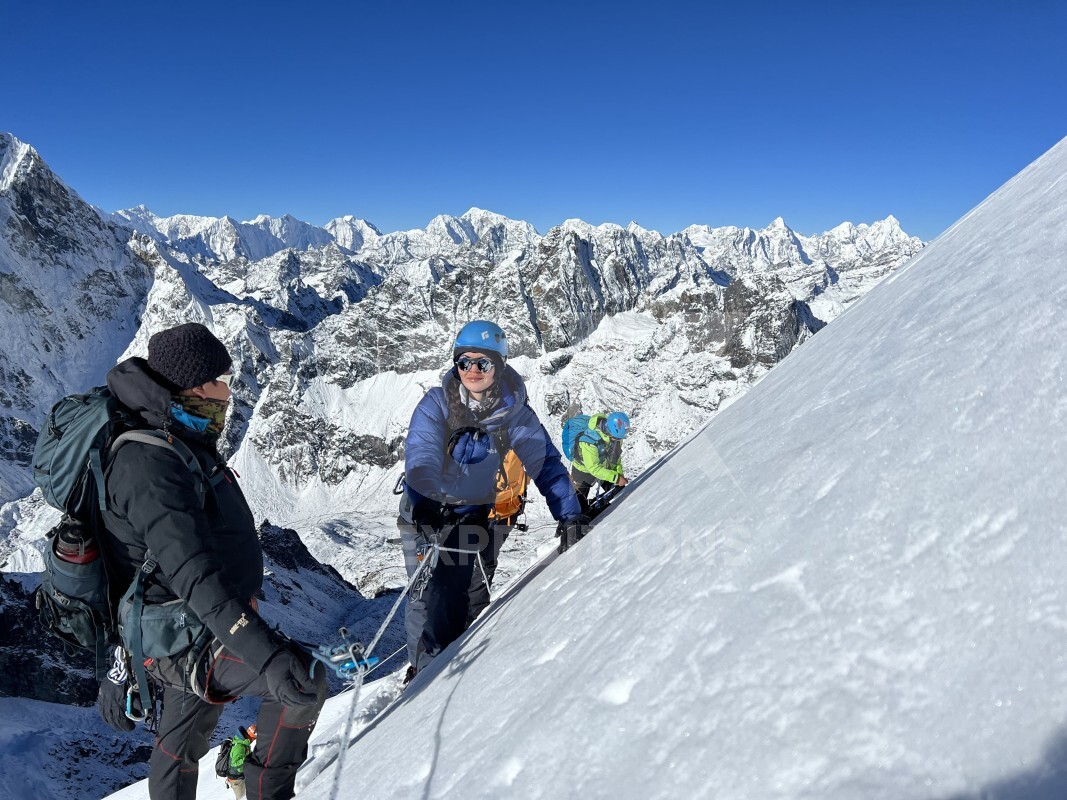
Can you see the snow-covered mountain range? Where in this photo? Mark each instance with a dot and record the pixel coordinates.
(337, 331)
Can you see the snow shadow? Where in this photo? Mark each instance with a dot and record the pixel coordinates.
(455, 665)
(1046, 780)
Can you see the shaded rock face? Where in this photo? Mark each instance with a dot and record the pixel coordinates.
(34, 665)
(71, 297)
(283, 547)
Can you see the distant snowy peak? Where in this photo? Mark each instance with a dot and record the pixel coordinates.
(746, 249)
(224, 238)
(848, 244)
(483, 222)
(352, 233)
(291, 232)
(139, 218)
(778, 245)
(583, 228)
(446, 236)
(641, 232)
(456, 229)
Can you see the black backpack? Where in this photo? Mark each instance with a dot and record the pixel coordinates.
(222, 761)
(74, 601)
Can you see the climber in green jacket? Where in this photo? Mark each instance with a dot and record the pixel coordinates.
(239, 751)
(598, 455)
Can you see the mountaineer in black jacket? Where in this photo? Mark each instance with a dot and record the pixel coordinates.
(201, 533)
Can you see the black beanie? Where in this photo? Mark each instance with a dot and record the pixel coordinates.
(187, 356)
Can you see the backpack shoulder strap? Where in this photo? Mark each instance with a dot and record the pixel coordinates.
(502, 439)
(153, 438)
(590, 436)
(157, 438)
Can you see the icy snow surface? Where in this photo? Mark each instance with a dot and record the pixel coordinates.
(850, 584)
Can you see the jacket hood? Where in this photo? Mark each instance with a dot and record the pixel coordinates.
(133, 384)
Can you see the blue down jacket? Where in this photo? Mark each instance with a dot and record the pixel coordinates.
(460, 468)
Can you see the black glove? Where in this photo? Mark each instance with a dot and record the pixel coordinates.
(431, 514)
(111, 699)
(288, 679)
(571, 530)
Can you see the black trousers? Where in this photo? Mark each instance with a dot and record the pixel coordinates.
(447, 596)
(187, 722)
(456, 592)
(583, 482)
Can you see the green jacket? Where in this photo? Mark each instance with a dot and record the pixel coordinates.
(238, 753)
(602, 459)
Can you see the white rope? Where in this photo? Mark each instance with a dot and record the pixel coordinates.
(346, 738)
(343, 744)
(398, 650)
(436, 549)
(485, 577)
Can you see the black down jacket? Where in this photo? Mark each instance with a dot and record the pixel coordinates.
(208, 553)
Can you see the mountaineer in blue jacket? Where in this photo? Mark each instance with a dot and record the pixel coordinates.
(458, 436)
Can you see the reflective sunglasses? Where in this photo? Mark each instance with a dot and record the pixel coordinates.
(483, 364)
(226, 378)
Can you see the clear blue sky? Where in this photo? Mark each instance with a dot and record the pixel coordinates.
(665, 113)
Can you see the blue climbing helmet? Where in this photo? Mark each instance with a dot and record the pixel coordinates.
(617, 424)
(481, 336)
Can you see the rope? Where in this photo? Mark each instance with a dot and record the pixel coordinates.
(363, 671)
(429, 558)
(485, 577)
(400, 649)
(348, 732)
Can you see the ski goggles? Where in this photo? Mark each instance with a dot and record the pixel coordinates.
(227, 379)
(484, 364)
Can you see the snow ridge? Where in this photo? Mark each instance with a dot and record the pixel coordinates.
(12, 153)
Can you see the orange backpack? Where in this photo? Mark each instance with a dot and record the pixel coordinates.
(511, 483)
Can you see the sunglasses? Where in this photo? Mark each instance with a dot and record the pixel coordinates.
(483, 364)
(226, 378)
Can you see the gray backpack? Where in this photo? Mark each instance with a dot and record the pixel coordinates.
(74, 600)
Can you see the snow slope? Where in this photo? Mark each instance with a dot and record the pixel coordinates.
(849, 584)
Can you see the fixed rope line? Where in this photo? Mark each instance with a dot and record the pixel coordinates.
(346, 738)
(435, 549)
(387, 658)
(485, 577)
